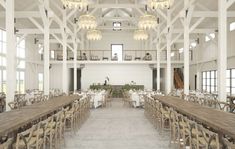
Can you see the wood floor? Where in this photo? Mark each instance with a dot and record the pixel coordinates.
(117, 127)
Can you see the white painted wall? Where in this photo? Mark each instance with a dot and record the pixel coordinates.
(118, 74)
(125, 38)
(33, 66)
(205, 56)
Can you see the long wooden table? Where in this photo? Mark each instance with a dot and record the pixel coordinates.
(13, 120)
(221, 122)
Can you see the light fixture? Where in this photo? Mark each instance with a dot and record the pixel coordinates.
(94, 35)
(140, 35)
(160, 4)
(117, 26)
(147, 21)
(87, 21)
(75, 4)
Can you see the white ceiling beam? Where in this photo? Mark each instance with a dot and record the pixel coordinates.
(93, 11)
(229, 3)
(161, 13)
(37, 31)
(117, 19)
(111, 28)
(23, 14)
(195, 31)
(176, 38)
(211, 14)
(61, 42)
(55, 41)
(39, 26)
(117, 6)
(71, 14)
(126, 12)
(107, 11)
(3, 3)
(196, 24)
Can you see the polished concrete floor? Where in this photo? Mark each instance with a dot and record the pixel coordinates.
(118, 127)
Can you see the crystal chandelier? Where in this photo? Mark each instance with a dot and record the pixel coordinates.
(160, 4)
(87, 22)
(147, 22)
(94, 35)
(75, 4)
(140, 35)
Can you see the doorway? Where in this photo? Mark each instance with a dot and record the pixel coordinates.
(118, 50)
(71, 83)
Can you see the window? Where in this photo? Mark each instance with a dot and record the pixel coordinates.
(3, 78)
(117, 50)
(40, 81)
(193, 45)
(232, 26)
(52, 54)
(20, 60)
(20, 81)
(40, 48)
(181, 50)
(230, 81)
(2, 41)
(20, 48)
(117, 26)
(209, 37)
(209, 81)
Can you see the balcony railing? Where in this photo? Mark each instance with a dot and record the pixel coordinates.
(127, 55)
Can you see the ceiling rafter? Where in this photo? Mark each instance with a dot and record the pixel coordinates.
(3, 3)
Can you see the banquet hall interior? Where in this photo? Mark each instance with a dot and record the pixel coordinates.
(119, 74)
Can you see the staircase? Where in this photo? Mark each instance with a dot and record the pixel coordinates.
(178, 79)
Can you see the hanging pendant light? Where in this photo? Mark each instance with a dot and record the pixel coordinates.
(87, 21)
(75, 4)
(147, 21)
(140, 35)
(94, 35)
(160, 4)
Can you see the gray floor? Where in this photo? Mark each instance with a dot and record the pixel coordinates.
(117, 127)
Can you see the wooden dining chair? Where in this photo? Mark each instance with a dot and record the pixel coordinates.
(208, 139)
(70, 118)
(224, 106)
(27, 139)
(13, 105)
(7, 144)
(59, 129)
(165, 117)
(228, 144)
(174, 127)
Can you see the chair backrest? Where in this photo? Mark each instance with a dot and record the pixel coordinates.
(209, 136)
(228, 144)
(25, 136)
(224, 106)
(7, 144)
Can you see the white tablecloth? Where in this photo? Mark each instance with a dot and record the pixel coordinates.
(97, 96)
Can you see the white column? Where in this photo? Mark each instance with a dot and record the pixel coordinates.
(222, 50)
(168, 67)
(186, 49)
(158, 63)
(46, 53)
(75, 45)
(11, 53)
(64, 67)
